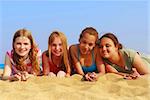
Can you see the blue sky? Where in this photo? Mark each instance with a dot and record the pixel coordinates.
(128, 19)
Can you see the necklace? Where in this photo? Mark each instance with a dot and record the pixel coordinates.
(59, 64)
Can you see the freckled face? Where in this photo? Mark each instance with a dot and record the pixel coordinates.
(87, 43)
(56, 47)
(22, 46)
(107, 48)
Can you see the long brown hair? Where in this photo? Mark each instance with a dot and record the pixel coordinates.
(18, 60)
(64, 45)
(89, 30)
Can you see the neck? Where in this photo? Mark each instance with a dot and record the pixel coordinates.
(116, 58)
(24, 57)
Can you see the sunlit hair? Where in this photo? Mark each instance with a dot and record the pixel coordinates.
(113, 38)
(18, 60)
(64, 45)
(89, 30)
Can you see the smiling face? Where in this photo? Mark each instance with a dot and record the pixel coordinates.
(56, 47)
(87, 43)
(22, 46)
(107, 48)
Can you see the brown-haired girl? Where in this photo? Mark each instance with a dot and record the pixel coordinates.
(125, 62)
(23, 59)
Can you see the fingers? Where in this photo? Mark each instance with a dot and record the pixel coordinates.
(67, 75)
(22, 76)
(130, 77)
(88, 78)
(91, 76)
(15, 77)
(51, 74)
(133, 76)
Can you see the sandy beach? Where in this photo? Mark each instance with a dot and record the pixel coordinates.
(108, 87)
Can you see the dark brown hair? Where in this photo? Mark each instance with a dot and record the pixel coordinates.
(113, 38)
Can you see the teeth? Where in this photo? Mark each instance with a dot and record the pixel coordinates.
(105, 53)
(22, 51)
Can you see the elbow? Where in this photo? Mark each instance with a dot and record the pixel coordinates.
(5, 77)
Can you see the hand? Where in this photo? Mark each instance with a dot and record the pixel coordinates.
(51, 74)
(61, 74)
(134, 75)
(91, 76)
(15, 77)
(24, 76)
(67, 75)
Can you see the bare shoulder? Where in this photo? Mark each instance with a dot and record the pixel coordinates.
(44, 54)
(8, 59)
(73, 48)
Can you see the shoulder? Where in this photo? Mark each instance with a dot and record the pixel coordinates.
(45, 53)
(9, 58)
(9, 53)
(129, 52)
(73, 48)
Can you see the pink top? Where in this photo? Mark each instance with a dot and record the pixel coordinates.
(28, 62)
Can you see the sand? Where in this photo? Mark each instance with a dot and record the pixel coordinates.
(108, 87)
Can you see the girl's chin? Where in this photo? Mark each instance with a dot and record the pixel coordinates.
(57, 55)
(85, 52)
(105, 56)
(22, 55)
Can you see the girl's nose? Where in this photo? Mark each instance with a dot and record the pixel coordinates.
(104, 48)
(57, 47)
(86, 46)
(22, 46)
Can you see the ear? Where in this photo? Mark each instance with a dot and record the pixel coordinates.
(117, 47)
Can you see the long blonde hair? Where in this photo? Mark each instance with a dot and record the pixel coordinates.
(18, 60)
(64, 45)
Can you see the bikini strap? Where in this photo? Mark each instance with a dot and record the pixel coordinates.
(93, 57)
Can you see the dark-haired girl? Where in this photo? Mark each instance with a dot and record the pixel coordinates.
(125, 62)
